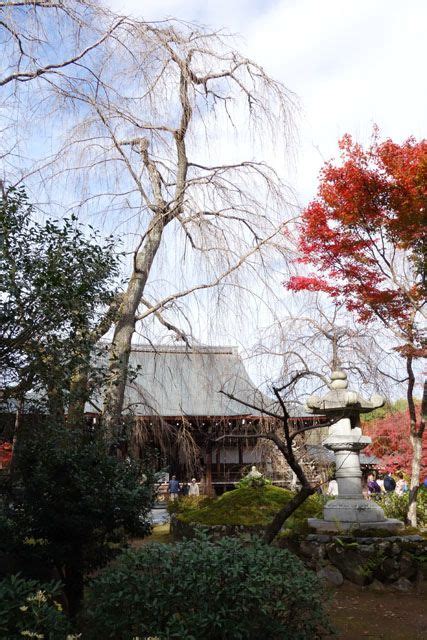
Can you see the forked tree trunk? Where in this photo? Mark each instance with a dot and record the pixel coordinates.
(124, 330)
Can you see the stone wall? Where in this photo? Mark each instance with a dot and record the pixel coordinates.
(397, 561)
(377, 562)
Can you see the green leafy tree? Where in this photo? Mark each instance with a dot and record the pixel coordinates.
(57, 301)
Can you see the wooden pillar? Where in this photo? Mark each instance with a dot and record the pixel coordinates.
(240, 450)
(208, 479)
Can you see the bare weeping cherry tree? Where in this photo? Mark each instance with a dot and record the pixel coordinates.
(154, 128)
(148, 151)
(319, 336)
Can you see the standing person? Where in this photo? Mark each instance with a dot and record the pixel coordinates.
(401, 485)
(389, 483)
(194, 488)
(173, 488)
(332, 489)
(373, 486)
(185, 488)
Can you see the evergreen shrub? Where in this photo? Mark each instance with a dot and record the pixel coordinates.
(71, 508)
(198, 589)
(30, 609)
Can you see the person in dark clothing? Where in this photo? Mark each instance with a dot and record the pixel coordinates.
(185, 488)
(373, 486)
(389, 483)
(173, 488)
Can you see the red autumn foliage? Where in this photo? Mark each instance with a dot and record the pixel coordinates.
(390, 443)
(5, 454)
(365, 233)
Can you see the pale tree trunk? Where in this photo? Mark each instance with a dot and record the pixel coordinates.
(416, 442)
(144, 257)
(416, 437)
(79, 394)
(124, 330)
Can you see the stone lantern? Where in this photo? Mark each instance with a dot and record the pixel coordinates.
(349, 510)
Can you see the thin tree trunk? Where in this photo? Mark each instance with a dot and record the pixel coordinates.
(124, 330)
(416, 442)
(16, 430)
(279, 519)
(74, 586)
(416, 437)
(55, 397)
(78, 397)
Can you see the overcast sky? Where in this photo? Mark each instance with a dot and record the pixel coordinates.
(351, 62)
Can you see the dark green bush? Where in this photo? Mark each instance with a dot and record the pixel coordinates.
(72, 507)
(30, 609)
(198, 590)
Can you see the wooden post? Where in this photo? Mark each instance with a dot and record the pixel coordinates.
(209, 487)
(17, 427)
(240, 450)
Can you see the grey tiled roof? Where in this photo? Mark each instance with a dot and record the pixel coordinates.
(176, 381)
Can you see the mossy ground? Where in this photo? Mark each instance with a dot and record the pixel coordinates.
(247, 506)
(160, 533)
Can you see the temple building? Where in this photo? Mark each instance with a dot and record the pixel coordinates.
(182, 408)
(183, 402)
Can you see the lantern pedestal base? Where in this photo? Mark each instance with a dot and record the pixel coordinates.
(325, 526)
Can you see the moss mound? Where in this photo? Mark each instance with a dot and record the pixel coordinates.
(247, 506)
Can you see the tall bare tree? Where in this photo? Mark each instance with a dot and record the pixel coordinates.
(317, 336)
(149, 139)
(132, 118)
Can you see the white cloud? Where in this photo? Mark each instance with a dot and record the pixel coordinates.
(352, 63)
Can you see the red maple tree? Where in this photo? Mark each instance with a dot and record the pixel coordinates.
(365, 234)
(391, 443)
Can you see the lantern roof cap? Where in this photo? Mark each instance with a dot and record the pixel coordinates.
(341, 400)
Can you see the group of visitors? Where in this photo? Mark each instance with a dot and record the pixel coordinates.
(386, 484)
(176, 488)
(375, 485)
